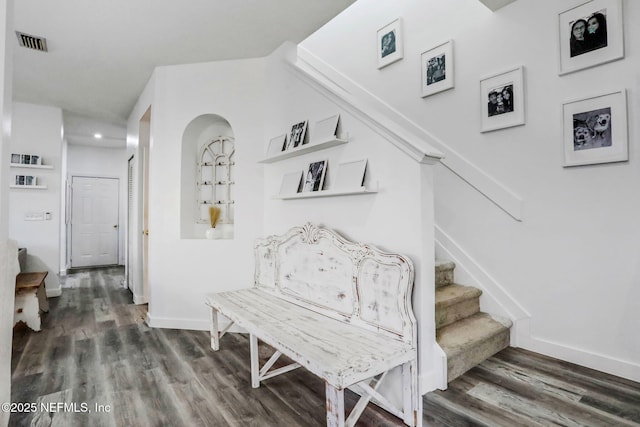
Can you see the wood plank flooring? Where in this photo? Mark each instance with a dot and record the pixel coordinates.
(95, 349)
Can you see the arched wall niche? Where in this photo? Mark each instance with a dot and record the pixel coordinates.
(207, 176)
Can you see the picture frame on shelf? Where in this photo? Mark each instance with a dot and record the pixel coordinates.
(30, 180)
(350, 175)
(326, 129)
(314, 176)
(25, 159)
(502, 100)
(291, 183)
(15, 158)
(36, 160)
(389, 44)
(437, 69)
(276, 145)
(296, 135)
(595, 129)
(590, 34)
(20, 180)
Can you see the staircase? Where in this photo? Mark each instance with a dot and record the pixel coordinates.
(466, 335)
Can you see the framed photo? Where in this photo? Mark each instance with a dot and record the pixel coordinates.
(25, 159)
(389, 45)
(35, 160)
(15, 158)
(437, 69)
(590, 34)
(296, 135)
(326, 129)
(314, 177)
(595, 130)
(290, 183)
(502, 100)
(29, 180)
(20, 180)
(277, 144)
(351, 174)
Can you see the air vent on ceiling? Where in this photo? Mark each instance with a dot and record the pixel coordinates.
(32, 42)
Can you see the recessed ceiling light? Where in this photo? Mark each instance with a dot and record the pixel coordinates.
(97, 135)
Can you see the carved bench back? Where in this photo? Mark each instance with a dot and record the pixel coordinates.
(355, 283)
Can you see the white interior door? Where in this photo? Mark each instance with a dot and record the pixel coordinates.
(94, 221)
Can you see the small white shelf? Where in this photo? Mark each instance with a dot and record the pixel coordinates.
(29, 187)
(327, 193)
(20, 165)
(303, 149)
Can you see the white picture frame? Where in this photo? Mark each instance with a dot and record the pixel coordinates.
(350, 175)
(276, 145)
(314, 176)
(595, 129)
(389, 45)
(290, 183)
(15, 158)
(296, 135)
(604, 44)
(437, 69)
(499, 112)
(326, 129)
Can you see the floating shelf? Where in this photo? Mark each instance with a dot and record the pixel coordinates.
(303, 149)
(29, 187)
(328, 193)
(20, 165)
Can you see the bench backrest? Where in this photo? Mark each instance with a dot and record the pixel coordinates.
(355, 283)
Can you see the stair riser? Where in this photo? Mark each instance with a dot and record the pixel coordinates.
(463, 361)
(444, 277)
(447, 315)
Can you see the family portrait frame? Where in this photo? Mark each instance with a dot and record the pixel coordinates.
(389, 46)
(437, 69)
(502, 100)
(595, 129)
(590, 34)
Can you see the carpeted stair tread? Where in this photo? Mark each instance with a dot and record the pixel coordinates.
(455, 302)
(447, 296)
(469, 341)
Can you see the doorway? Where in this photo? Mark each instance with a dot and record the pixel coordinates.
(94, 221)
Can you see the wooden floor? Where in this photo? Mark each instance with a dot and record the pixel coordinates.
(95, 349)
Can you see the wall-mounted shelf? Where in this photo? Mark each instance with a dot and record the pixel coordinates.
(20, 165)
(29, 187)
(328, 193)
(303, 149)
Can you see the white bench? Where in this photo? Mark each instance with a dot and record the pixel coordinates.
(342, 310)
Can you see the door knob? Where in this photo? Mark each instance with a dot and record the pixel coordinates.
(115, 226)
(145, 232)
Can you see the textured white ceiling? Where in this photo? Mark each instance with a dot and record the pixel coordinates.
(102, 52)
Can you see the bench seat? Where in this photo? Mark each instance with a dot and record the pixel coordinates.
(339, 353)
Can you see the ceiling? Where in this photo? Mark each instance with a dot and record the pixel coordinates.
(102, 52)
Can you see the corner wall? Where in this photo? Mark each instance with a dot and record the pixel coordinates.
(571, 262)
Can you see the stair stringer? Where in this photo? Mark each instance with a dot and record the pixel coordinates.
(495, 298)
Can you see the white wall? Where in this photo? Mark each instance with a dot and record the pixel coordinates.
(37, 129)
(7, 277)
(572, 262)
(182, 271)
(100, 162)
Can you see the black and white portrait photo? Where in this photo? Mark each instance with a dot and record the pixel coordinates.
(388, 44)
(500, 100)
(314, 177)
(296, 136)
(588, 33)
(592, 129)
(436, 69)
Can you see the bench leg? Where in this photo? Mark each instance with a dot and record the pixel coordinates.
(215, 337)
(412, 400)
(335, 406)
(255, 366)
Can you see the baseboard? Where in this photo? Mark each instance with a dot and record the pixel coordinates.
(173, 323)
(139, 299)
(589, 359)
(55, 292)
